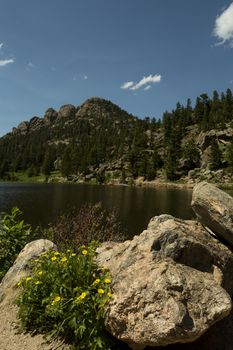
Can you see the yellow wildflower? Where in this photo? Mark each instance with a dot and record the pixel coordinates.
(19, 283)
(100, 291)
(53, 258)
(96, 281)
(40, 273)
(84, 252)
(107, 281)
(56, 300)
(28, 279)
(68, 251)
(64, 259)
(109, 295)
(81, 297)
(56, 253)
(73, 254)
(38, 282)
(37, 260)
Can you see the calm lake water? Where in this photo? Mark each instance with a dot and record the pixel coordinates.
(41, 203)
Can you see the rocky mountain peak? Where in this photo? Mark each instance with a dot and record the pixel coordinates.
(99, 107)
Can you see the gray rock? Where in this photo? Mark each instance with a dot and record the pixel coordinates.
(167, 283)
(50, 116)
(214, 208)
(23, 128)
(67, 111)
(205, 139)
(21, 267)
(35, 123)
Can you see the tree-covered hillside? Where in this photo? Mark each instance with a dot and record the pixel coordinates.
(99, 139)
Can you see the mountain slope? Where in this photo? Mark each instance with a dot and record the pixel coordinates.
(99, 141)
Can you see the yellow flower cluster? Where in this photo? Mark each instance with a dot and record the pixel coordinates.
(64, 259)
(56, 300)
(96, 281)
(81, 297)
(100, 291)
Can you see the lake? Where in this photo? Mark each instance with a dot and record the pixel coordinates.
(41, 203)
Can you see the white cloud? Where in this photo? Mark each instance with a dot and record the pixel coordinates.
(150, 79)
(127, 85)
(6, 62)
(1, 45)
(146, 80)
(30, 66)
(85, 77)
(223, 29)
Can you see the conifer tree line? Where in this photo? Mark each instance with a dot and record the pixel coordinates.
(142, 146)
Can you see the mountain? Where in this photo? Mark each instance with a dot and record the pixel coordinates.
(99, 142)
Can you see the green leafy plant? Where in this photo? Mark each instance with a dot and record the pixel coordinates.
(14, 234)
(65, 296)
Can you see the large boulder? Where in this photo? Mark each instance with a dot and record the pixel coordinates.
(169, 283)
(214, 209)
(21, 267)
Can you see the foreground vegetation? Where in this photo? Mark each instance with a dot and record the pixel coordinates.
(66, 292)
(65, 296)
(14, 235)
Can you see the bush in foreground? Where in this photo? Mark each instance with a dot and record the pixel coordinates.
(14, 235)
(90, 222)
(65, 296)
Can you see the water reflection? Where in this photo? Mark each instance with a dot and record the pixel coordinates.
(41, 203)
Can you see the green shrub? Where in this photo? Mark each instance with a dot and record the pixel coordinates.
(65, 296)
(14, 234)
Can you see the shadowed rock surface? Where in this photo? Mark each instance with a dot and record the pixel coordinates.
(167, 283)
(214, 209)
(21, 268)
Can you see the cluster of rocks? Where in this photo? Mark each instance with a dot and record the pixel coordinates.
(172, 284)
(91, 108)
(203, 174)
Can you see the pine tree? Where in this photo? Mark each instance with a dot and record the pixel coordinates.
(66, 165)
(229, 155)
(215, 156)
(47, 165)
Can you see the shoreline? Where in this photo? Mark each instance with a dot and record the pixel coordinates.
(137, 183)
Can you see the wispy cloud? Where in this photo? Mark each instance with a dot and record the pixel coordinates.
(144, 82)
(5, 62)
(127, 85)
(1, 45)
(80, 76)
(30, 66)
(223, 29)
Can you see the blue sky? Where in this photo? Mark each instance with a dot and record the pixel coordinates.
(144, 55)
